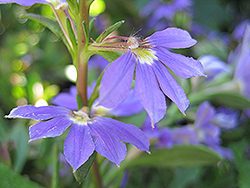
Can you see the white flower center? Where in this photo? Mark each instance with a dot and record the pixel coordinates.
(80, 117)
(133, 43)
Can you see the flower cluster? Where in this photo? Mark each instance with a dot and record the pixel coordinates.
(205, 130)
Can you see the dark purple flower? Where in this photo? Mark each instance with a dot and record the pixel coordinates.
(152, 78)
(105, 135)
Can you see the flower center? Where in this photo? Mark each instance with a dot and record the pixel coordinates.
(80, 117)
(145, 55)
(133, 43)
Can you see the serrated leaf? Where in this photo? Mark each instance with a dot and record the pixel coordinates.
(11, 179)
(108, 31)
(82, 172)
(178, 156)
(52, 25)
(233, 100)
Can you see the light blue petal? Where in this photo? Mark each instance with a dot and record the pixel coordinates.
(38, 113)
(171, 38)
(50, 128)
(116, 81)
(182, 66)
(78, 145)
(148, 92)
(126, 132)
(170, 86)
(107, 143)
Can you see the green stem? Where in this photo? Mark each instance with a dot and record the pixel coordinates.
(55, 178)
(82, 64)
(96, 175)
(82, 54)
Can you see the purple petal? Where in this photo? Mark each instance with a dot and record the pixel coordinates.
(130, 106)
(184, 135)
(148, 92)
(67, 100)
(50, 128)
(151, 133)
(170, 87)
(78, 145)
(182, 66)
(204, 114)
(23, 2)
(126, 132)
(107, 143)
(165, 138)
(171, 38)
(38, 113)
(116, 81)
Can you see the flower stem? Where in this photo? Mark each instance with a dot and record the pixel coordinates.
(96, 175)
(82, 53)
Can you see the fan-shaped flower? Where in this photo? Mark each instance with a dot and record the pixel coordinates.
(105, 135)
(152, 78)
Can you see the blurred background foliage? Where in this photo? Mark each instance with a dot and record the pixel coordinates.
(35, 66)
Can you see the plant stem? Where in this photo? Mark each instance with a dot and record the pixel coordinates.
(82, 64)
(82, 54)
(96, 175)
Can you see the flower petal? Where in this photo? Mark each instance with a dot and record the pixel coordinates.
(23, 2)
(126, 132)
(107, 143)
(37, 113)
(148, 92)
(170, 86)
(67, 100)
(116, 81)
(130, 106)
(182, 66)
(78, 145)
(50, 128)
(171, 38)
(204, 114)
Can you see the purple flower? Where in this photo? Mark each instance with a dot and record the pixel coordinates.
(56, 3)
(226, 118)
(213, 66)
(152, 78)
(128, 107)
(105, 135)
(160, 12)
(23, 2)
(242, 67)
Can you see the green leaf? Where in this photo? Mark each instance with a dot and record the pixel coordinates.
(71, 33)
(79, 101)
(21, 137)
(91, 24)
(52, 25)
(55, 177)
(82, 172)
(233, 100)
(86, 32)
(108, 31)
(109, 55)
(178, 156)
(13, 180)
